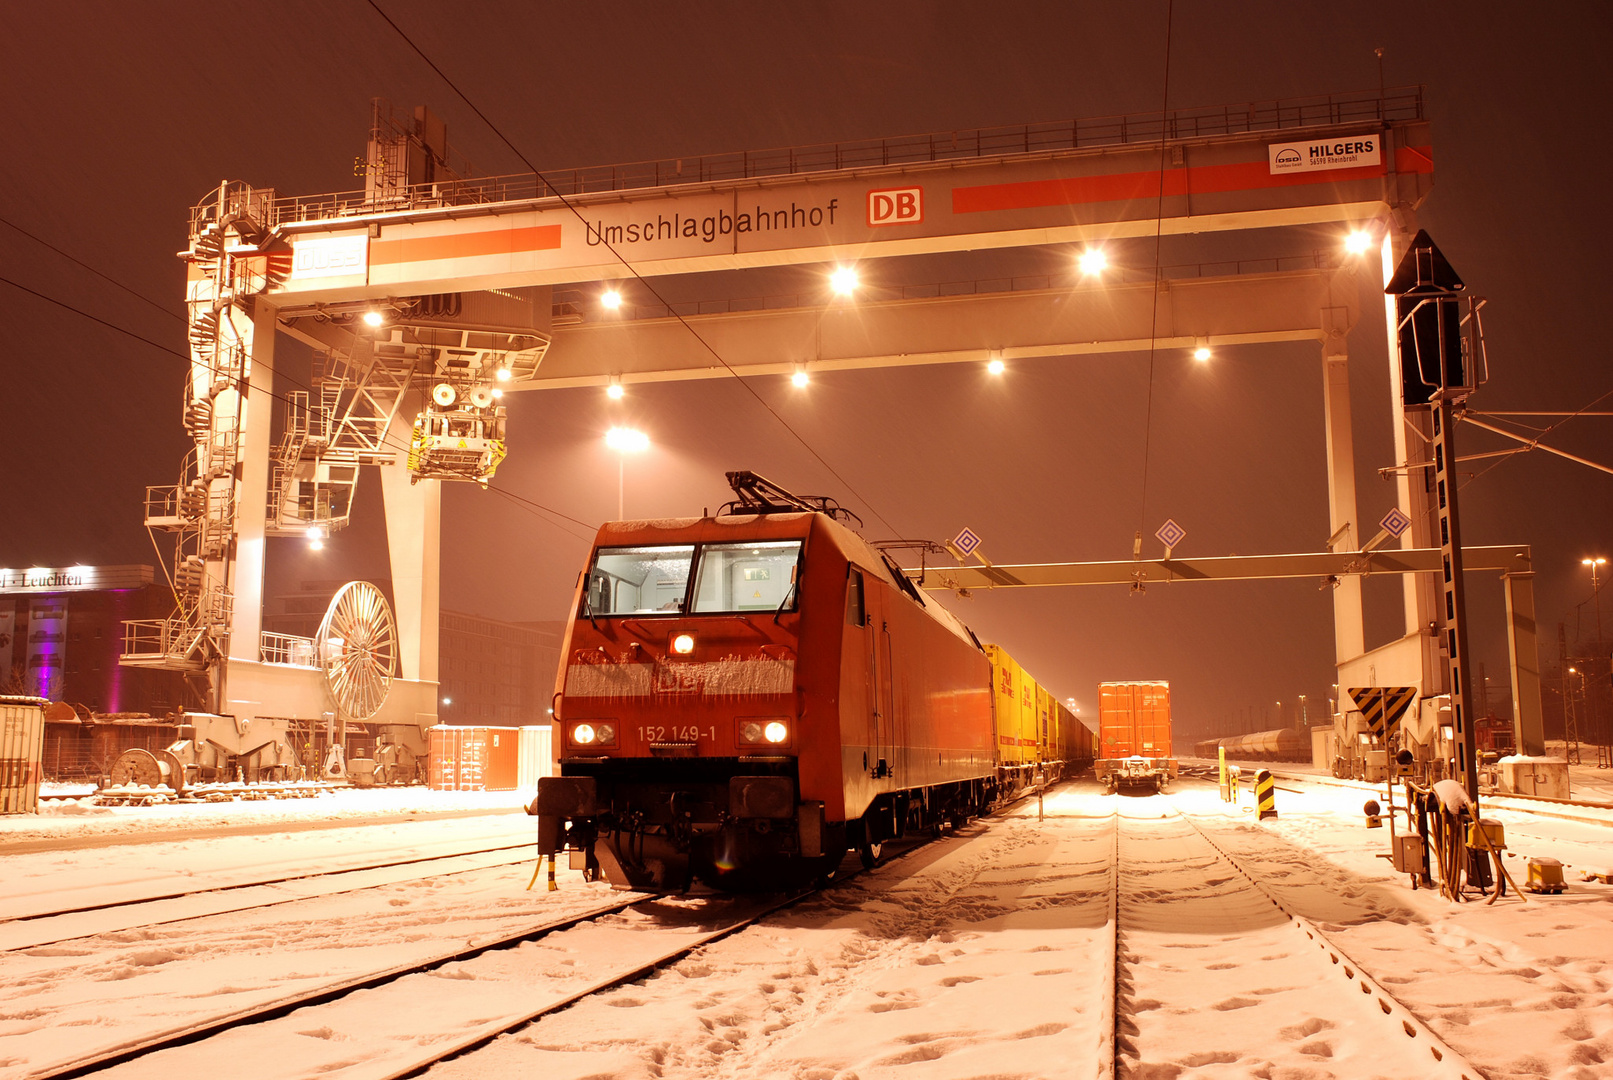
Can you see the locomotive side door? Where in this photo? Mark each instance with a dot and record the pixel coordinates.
(881, 711)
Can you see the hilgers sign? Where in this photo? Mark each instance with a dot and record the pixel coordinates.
(1349, 152)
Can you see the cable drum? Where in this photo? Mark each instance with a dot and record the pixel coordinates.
(358, 649)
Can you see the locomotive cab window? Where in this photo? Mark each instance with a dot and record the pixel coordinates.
(856, 614)
(755, 576)
(638, 580)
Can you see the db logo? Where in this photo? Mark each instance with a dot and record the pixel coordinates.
(896, 206)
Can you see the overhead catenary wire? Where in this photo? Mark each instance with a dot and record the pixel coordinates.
(1153, 316)
(283, 399)
(1541, 433)
(628, 266)
(142, 297)
(171, 351)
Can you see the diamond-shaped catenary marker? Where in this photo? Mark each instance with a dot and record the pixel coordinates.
(1395, 522)
(1170, 534)
(966, 541)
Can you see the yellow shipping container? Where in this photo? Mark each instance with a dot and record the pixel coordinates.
(1013, 699)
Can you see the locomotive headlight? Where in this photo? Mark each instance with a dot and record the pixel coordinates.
(601, 733)
(750, 732)
(776, 732)
(683, 644)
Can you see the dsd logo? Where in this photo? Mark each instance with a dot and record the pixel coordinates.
(896, 206)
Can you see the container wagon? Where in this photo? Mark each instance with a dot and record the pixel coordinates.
(1134, 731)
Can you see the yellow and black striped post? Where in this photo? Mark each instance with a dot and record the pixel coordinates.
(1265, 794)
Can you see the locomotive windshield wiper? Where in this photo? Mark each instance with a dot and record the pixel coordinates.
(780, 609)
(588, 609)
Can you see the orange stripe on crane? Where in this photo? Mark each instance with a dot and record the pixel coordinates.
(465, 245)
(1114, 187)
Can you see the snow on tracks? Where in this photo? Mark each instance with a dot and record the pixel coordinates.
(1217, 967)
(973, 956)
(32, 930)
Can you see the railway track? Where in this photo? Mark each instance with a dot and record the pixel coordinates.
(1210, 947)
(666, 928)
(31, 930)
(1297, 981)
(194, 1032)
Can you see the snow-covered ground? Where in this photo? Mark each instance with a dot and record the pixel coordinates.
(986, 954)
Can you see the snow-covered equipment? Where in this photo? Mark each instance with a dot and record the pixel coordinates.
(1545, 875)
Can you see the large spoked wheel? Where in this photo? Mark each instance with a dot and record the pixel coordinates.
(358, 649)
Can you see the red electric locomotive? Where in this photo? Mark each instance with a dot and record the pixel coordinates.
(744, 698)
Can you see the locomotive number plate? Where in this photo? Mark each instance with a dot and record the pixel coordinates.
(676, 733)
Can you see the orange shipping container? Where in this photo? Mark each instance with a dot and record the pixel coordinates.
(1135, 718)
(473, 758)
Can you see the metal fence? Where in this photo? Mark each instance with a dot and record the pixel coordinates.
(1398, 104)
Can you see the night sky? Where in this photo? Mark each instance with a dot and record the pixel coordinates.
(119, 117)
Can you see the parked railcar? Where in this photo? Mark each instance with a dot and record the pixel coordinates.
(1282, 744)
(1135, 721)
(744, 698)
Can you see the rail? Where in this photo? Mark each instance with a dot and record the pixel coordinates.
(156, 639)
(287, 649)
(1397, 104)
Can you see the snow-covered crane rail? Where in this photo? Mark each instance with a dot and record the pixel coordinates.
(258, 1040)
(72, 920)
(192, 1037)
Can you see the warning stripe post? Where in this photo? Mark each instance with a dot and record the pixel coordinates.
(1265, 794)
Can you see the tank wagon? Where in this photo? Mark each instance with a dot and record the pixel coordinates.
(744, 698)
(1283, 744)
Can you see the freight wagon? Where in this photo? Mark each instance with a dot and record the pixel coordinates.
(1134, 729)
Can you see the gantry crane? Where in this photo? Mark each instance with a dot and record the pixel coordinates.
(427, 294)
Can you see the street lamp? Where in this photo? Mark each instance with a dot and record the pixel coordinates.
(624, 441)
(1304, 716)
(1596, 590)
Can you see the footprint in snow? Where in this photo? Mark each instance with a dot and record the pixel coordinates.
(1306, 1029)
(1210, 1057)
(1234, 1003)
